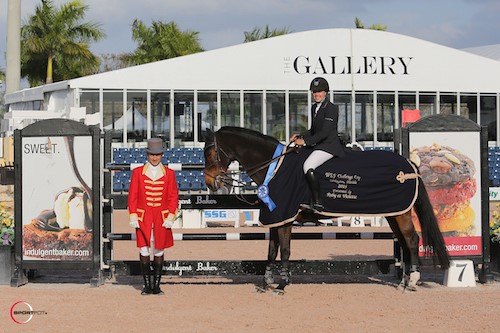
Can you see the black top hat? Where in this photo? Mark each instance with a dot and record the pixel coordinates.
(155, 146)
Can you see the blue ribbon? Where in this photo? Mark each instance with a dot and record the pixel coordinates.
(263, 190)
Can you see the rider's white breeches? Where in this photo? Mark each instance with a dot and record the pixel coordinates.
(316, 158)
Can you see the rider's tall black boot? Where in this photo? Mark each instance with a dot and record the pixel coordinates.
(313, 183)
(157, 269)
(146, 274)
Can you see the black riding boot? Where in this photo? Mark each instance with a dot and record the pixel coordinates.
(313, 183)
(146, 274)
(157, 269)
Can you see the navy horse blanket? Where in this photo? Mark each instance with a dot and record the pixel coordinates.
(367, 183)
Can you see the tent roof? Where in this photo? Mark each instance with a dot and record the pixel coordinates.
(351, 59)
(359, 59)
(135, 121)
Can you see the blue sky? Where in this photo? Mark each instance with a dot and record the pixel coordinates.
(221, 23)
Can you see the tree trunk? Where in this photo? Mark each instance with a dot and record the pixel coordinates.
(49, 69)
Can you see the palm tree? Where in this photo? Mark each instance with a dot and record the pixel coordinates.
(112, 61)
(55, 44)
(258, 33)
(2, 92)
(161, 41)
(376, 26)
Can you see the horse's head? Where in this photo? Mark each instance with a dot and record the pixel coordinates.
(250, 148)
(216, 164)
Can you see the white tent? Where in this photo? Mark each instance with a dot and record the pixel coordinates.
(135, 121)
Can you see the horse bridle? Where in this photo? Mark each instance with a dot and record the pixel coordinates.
(224, 178)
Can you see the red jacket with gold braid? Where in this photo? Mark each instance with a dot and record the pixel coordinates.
(153, 201)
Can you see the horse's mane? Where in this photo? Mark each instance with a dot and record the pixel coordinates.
(246, 132)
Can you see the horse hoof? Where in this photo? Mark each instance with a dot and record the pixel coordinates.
(260, 290)
(413, 281)
(402, 285)
(414, 278)
(411, 286)
(278, 292)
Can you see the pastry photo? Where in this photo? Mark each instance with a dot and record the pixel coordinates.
(448, 176)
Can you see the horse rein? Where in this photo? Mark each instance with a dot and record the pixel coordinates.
(225, 179)
(222, 176)
(269, 162)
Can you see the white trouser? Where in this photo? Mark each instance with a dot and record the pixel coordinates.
(316, 158)
(146, 251)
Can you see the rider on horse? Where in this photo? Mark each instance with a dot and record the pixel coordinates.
(322, 137)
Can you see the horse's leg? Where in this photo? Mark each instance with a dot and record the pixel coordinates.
(285, 236)
(272, 253)
(412, 240)
(409, 237)
(405, 259)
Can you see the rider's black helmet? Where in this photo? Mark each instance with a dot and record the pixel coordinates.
(319, 84)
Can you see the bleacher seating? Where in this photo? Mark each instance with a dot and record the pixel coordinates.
(183, 185)
(198, 186)
(193, 178)
(121, 181)
(187, 180)
(494, 166)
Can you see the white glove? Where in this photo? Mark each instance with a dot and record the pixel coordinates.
(168, 224)
(134, 224)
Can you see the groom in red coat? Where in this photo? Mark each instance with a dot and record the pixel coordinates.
(152, 205)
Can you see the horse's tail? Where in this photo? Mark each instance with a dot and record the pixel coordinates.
(431, 235)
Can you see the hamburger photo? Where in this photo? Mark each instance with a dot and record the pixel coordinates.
(449, 179)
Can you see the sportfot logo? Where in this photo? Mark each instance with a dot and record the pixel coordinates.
(22, 312)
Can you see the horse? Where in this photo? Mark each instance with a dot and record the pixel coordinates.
(255, 152)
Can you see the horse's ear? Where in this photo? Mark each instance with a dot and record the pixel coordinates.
(208, 135)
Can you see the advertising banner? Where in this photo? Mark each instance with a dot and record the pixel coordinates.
(220, 218)
(494, 205)
(249, 217)
(57, 198)
(214, 201)
(450, 165)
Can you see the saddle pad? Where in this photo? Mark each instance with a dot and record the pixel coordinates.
(368, 183)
